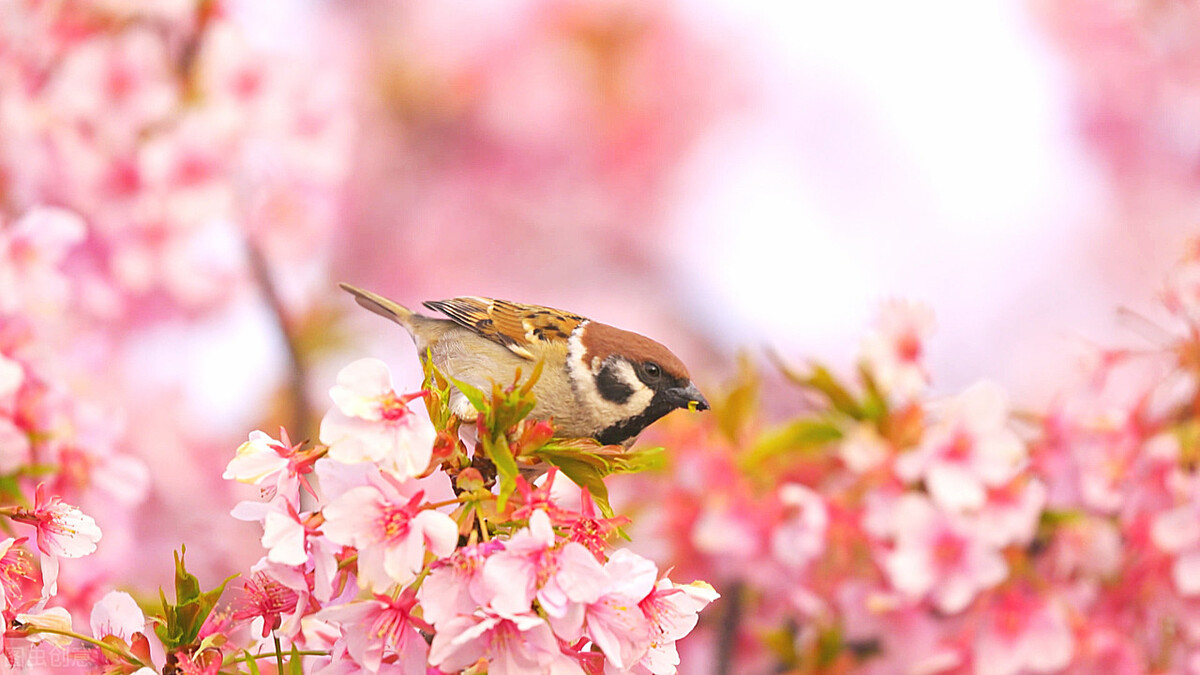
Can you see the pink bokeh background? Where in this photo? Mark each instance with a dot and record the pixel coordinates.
(721, 176)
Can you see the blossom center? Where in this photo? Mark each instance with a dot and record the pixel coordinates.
(908, 347)
(394, 522)
(948, 550)
(392, 408)
(959, 448)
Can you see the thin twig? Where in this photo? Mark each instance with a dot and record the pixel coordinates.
(301, 415)
(727, 630)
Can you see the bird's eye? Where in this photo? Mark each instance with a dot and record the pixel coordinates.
(651, 369)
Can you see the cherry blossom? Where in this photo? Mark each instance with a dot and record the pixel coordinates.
(1011, 513)
(277, 595)
(383, 628)
(31, 254)
(369, 422)
(509, 644)
(563, 579)
(1023, 633)
(385, 521)
(968, 450)
(940, 555)
(800, 538)
(455, 585)
(672, 610)
(117, 614)
(56, 619)
(16, 567)
(894, 352)
(63, 531)
(284, 536)
(258, 459)
(862, 448)
(616, 622)
(1177, 531)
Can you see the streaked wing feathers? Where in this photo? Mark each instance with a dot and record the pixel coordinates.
(516, 326)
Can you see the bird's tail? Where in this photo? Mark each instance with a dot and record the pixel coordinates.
(381, 305)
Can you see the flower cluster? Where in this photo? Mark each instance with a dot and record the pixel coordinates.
(883, 530)
(390, 548)
(57, 449)
(176, 142)
(381, 558)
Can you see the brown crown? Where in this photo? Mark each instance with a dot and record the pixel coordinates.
(602, 340)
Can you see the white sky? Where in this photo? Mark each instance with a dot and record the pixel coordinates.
(921, 150)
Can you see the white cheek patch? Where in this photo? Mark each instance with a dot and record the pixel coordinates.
(641, 393)
(583, 380)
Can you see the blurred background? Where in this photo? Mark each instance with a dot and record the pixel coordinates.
(719, 175)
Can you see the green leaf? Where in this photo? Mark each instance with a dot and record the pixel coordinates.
(295, 664)
(874, 406)
(829, 647)
(506, 466)
(739, 406)
(474, 395)
(181, 622)
(799, 435)
(251, 663)
(823, 381)
(586, 475)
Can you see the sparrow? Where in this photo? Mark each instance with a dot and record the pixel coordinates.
(597, 381)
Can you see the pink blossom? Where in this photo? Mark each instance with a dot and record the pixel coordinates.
(121, 81)
(383, 629)
(285, 533)
(728, 531)
(285, 536)
(257, 460)
(1012, 512)
(14, 446)
(51, 618)
(800, 537)
(385, 521)
(562, 578)
(1181, 294)
(862, 448)
(1023, 633)
(894, 353)
(1086, 546)
(616, 622)
(12, 375)
(117, 614)
(370, 423)
(510, 645)
(31, 252)
(1177, 531)
(16, 567)
(940, 555)
(63, 531)
(591, 529)
(456, 584)
(279, 595)
(969, 449)
(672, 610)
(911, 638)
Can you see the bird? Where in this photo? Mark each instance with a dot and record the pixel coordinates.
(597, 381)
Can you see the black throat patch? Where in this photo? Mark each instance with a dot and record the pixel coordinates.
(611, 386)
(632, 426)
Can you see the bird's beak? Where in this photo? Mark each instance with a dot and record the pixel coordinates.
(689, 397)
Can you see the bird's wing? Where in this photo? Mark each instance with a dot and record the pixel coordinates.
(520, 328)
